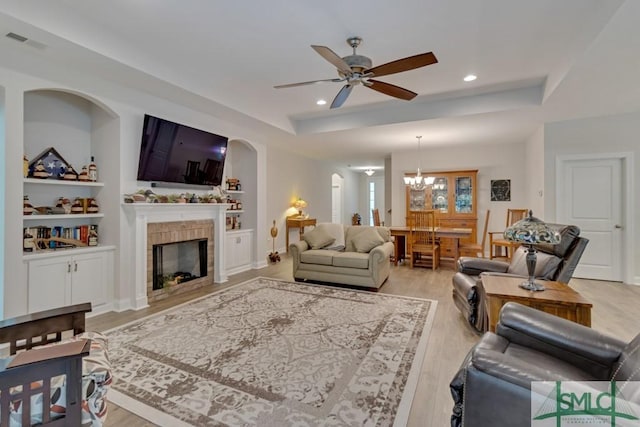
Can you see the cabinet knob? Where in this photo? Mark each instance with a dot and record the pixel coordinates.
(75, 266)
(68, 267)
(617, 226)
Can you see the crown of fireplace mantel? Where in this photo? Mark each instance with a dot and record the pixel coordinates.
(141, 214)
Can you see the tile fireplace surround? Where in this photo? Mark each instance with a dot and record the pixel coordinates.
(140, 215)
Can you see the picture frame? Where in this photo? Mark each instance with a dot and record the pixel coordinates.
(500, 190)
(54, 163)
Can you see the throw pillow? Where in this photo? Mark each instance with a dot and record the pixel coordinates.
(546, 264)
(366, 240)
(318, 238)
(337, 232)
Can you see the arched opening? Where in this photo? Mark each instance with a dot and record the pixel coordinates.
(337, 198)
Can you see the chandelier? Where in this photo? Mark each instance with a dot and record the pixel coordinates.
(418, 182)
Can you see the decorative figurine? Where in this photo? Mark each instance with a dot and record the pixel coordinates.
(65, 204)
(76, 207)
(70, 174)
(39, 171)
(93, 207)
(93, 171)
(27, 207)
(84, 175)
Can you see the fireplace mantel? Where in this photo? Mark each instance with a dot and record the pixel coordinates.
(141, 214)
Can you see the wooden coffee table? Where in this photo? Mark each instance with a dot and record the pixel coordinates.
(558, 299)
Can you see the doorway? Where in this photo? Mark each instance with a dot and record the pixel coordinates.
(337, 184)
(593, 193)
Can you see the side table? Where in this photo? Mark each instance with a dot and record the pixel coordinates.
(300, 223)
(558, 299)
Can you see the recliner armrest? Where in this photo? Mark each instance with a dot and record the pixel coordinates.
(474, 266)
(582, 346)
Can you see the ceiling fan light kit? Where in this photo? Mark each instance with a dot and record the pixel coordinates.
(357, 69)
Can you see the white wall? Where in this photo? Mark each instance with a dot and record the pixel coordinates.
(2, 194)
(500, 161)
(292, 176)
(611, 134)
(534, 169)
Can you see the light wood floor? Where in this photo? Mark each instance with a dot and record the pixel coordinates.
(615, 312)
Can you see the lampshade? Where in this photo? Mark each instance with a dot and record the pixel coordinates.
(531, 231)
(300, 204)
(369, 172)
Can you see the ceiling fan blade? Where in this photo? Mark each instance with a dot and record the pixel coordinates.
(332, 57)
(391, 90)
(341, 96)
(404, 64)
(308, 83)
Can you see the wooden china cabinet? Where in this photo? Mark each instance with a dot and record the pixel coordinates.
(453, 197)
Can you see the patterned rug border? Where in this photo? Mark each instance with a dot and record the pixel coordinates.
(404, 407)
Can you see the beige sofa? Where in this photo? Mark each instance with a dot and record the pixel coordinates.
(360, 259)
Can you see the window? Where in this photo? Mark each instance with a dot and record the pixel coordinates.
(372, 200)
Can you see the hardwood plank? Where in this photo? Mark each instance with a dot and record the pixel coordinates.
(614, 308)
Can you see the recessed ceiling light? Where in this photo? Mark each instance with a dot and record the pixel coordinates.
(470, 78)
(321, 102)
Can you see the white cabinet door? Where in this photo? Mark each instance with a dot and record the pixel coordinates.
(238, 247)
(88, 281)
(49, 283)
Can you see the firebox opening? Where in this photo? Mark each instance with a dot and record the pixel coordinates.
(179, 262)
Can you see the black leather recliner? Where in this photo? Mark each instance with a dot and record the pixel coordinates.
(555, 262)
(493, 386)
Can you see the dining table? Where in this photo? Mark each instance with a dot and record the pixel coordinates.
(401, 234)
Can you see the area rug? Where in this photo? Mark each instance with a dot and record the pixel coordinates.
(272, 353)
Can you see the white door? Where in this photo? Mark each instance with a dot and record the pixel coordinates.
(336, 204)
(591, 198)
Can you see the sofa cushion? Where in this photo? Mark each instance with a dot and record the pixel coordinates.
(366, 240)
(546, 264)
(337, 232)
(318, 238)
(317, 256)
(351, 260)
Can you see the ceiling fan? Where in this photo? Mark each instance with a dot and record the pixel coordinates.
(356, 69)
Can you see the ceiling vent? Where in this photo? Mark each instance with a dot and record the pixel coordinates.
(26, 41)
(17, 37)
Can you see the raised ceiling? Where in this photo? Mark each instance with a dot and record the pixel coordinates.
(536, 61)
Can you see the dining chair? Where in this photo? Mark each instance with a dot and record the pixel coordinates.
(376, 217)
(422, 238)
(513, 216)
(476, 249)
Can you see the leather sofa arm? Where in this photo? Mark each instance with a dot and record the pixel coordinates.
(474, 266)
(582, 346)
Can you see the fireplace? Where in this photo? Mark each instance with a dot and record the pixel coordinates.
(144, 218)
(179, 262)
(179, 257)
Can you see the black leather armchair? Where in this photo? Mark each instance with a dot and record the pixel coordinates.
(493, 386)
(555, 262)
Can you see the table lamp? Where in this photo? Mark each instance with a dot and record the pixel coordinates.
(530, 231)
(300, 204)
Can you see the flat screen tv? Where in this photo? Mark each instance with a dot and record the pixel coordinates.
(175, 153)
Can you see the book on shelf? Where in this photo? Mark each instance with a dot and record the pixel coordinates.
(58, 237)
